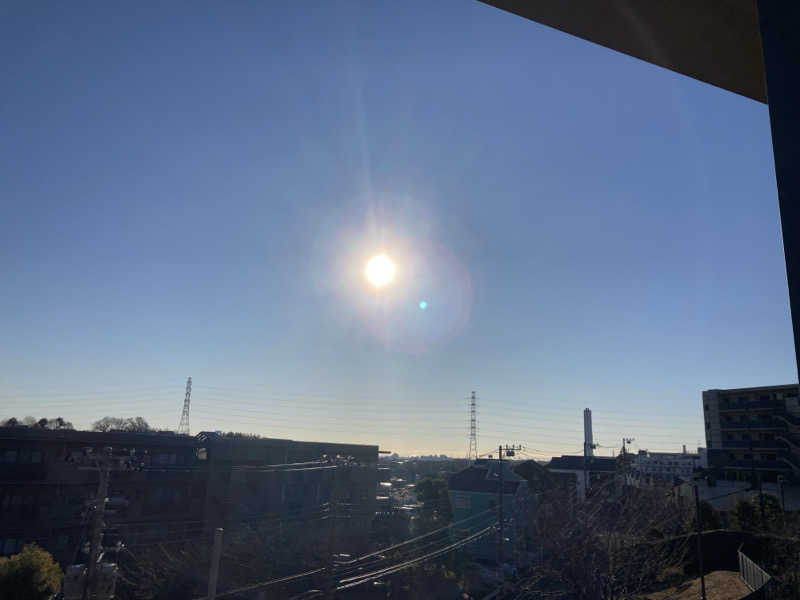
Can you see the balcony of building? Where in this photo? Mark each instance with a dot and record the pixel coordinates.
(760, 423)
(751, 405)
(775, 444)
(759, 465)
(20, 472)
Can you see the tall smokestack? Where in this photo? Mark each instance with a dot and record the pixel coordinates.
(588, 442)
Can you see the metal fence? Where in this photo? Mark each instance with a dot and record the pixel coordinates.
(754, 576)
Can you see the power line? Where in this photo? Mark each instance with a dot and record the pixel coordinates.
(359, 580)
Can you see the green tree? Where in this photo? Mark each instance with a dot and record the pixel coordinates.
(30, 575)
(432, 492)
(744, 516)
(757, 514)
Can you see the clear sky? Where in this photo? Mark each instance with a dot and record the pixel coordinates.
(194, 189)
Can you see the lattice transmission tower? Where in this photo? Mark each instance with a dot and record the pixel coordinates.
(472, 453)
(183, 428)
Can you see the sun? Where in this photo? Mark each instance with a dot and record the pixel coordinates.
(380, 270)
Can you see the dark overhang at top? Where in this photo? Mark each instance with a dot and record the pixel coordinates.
(715, 41)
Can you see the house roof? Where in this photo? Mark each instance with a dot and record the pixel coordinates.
(580, 463)
(484, 476)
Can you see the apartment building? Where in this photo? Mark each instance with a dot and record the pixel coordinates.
(164, 486)
(667, 466)
(753, 432)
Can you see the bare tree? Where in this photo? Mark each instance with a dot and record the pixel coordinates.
(616, 544)
(134, 424)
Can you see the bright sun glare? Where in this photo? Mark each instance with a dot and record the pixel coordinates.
(380, 270)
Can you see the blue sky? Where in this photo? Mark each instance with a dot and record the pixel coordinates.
(195, 190)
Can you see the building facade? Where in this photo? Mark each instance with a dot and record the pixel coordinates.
(164, 486)
(753, 432)
(588, 474)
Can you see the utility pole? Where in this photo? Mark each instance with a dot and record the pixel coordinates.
(500, 515)
(699, 519)
(508, 451)
(213, 574)
(96, 535)
(330, 578)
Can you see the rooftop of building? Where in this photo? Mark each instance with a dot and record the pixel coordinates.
(484, 476)
(170, 438)
(581, 463)
(761, 388)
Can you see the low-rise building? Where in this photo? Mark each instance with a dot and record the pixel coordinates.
(475, 494)
(649, 466)
(588, 474)
(164, 486)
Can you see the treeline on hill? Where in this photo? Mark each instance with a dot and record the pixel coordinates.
(43, 423)
(133, 424)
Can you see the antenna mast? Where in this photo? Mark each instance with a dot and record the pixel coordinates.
(183, 428)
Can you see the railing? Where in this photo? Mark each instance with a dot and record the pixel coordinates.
(754, 576)
(788, 418)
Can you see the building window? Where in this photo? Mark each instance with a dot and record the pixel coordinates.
(36, 456)
(705, 406)
(10, 456)
(729, 436)
(9, 546)
(748, 457)
(772, 457)
(462, 501)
